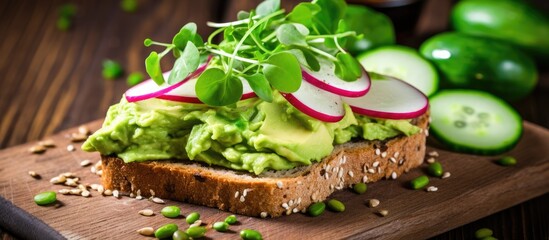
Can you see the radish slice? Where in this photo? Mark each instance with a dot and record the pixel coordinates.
(317, 103)
(326, 79)
(390, 98)
(186, 92)
(149, 89)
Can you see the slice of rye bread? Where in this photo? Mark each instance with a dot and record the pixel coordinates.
(272, 193)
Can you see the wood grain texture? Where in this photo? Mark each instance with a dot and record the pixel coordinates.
(477, 187)
(51, 80)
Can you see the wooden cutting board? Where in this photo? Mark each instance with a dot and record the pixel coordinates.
(477, 188)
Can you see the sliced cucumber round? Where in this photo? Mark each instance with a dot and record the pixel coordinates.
(404, 63)
(474, 122)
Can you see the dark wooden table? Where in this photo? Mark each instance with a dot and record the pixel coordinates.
(51, 80)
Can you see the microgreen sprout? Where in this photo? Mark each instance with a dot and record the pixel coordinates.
(265, 47)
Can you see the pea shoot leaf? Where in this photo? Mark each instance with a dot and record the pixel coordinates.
(260, 85)
(306, 58)
(215, 88)
(326, 20)
(241, 15)
(186, 64)
(152, 66)
(347, 67)
(303, 13)
(267, 7)
(187, 33)
(288, 35)
(282, 70)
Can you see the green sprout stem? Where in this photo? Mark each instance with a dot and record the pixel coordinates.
(259, 44)
(214, 33)
(225, 54)
(169, 47)
(325, 54)
(229, 24)
(338, 46)
(247, 34)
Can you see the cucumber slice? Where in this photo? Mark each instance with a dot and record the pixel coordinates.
(403, 63)
(474, 122)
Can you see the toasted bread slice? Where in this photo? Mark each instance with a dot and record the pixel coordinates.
(272, 193)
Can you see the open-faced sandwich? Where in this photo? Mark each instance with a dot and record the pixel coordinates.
(271, 118)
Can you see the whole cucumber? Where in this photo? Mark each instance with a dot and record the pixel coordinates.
(376, 28)
(466, 61)
(510, 21)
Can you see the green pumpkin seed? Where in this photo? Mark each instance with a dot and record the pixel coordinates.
(180, 235)
(192, 217)
(196, 232)
(435, 169)
(231, 219)
(171, 211)
(165, 231)
(249, 234)
(360, 188)
(419, 182)
(507, 161)
(45, 198)
(336, 205)
(483, 233)
(221, 226)
(316, 209)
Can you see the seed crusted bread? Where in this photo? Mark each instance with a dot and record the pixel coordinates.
(273, 193)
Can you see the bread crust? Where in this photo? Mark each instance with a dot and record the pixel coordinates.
(272, 193)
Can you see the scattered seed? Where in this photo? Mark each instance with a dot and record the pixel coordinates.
(34, 174)
(84, 130)
(138, 197)
(431, 160)
(71, 182)
(446, 175)
(85, 163)
(58, 179)
(85, 193)
(296, 210)
(158, 200)
(64, 191)
(94, 186)
(78, 137)
(82, 187)
(365, 179)
(99, 172)
(360, 188)
(146, 231)
(146, 212)
(242, 198)
(433, 154)
(37, 149)
(285, 205)
(116, 193)
(107, 192)
(432, 189)
(263, 214)
(165, 231)
(100, 189)
(70, 148)
(47, 143)
(75, 191)
(196, 232)
(196, 224)
(383, 212)
(236, 194)
(373, 203)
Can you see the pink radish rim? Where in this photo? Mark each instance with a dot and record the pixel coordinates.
(342, 92)
(309, 111)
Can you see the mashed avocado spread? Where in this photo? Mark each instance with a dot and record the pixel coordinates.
(254, 135)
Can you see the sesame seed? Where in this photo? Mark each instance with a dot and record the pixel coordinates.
(365, 179)
(426, 132)
(335, 169)
(351, 173)
(93, 170)
(37, 149)
(433, 154)
(285, 205)
(242, 198)
(299, 182)
(344, 159)
(85, 163)
(34, 174)
(245, 192)
(379, 170)
(298, 201)
(331, 187)
(236, 194)
(431, 160)
(279, 184)
(138, 192)
(378, 151)
(376, 164)
(94, 186)
(82, 187)
(432, 189)
(98, 165)
(152, 192)
(47, 143)
(340, 174)
(99, 172)
(85, 193)
(393, 160)
(64, 191)
(84, 130)
(58, 179)
(75, 191)
(263, 214)
(373, 203)
(371, 170)
(384, 154)
(70, 148)
(291, 203)
(116, 193)
(383, 213)
(296, 210)
(146, 231)
(107, 192)
(446, 175)
(289, 211)
(132, 195)
(196, 223)
(394, 175)
(326, 176)
(100, 189)
(328, 168)
(139, 197)
(158, 200)
(401, 162)
(396, 154)
(365, 168)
